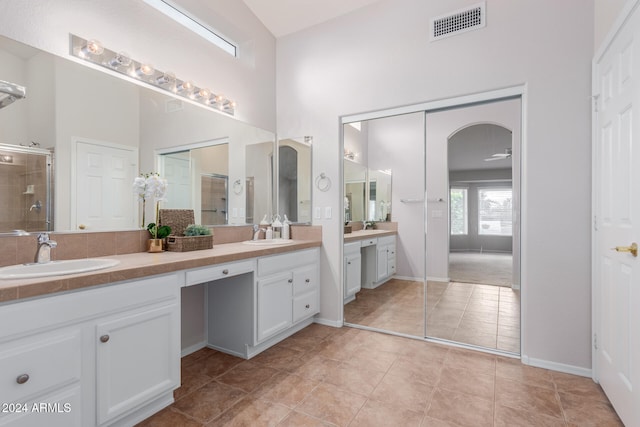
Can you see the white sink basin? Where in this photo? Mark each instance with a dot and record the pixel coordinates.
(56, 268)
(267, 242)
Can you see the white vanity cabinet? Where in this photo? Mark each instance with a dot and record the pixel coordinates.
(287, 291)
(386, 258)
(352, 270)
(96, 357)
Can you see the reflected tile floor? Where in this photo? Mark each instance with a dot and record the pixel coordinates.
(482, 315)
(325, 376)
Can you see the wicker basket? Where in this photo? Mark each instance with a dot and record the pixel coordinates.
(178, 220)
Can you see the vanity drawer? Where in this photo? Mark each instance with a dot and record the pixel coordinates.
(305, 305)
(368, 242)
(305, 280)
(352, 248)
(35, 364)
(220, 271)
(387, 240)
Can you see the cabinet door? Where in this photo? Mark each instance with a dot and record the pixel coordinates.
(352, 274)
(60, 409)
(138, 359)
(274, 305)
(382, 263)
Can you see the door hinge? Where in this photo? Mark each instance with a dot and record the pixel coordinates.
(595, 102)
(595, 222)
(595, 341)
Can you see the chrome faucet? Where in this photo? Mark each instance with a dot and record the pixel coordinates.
(43, 253)
(256, 231)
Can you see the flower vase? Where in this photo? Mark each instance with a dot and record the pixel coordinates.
(155, 245)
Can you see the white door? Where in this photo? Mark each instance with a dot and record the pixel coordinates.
(617, 220)
(176, 171)
(103, 186)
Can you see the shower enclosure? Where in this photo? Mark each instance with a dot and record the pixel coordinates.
(25, 189)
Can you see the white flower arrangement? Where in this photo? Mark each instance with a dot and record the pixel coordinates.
(148, 186)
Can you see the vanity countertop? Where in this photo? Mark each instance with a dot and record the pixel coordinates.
(143, 264)
(366, 234)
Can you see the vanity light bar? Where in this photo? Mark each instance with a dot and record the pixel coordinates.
(120, 62)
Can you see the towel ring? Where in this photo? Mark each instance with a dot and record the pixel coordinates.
(323, 183)
(237, 187)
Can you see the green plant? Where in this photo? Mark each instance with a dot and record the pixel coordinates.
(158, 232)
(196, 230)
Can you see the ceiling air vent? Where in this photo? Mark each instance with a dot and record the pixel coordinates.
(461, 21)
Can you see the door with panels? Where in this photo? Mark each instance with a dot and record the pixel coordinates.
(616, 223)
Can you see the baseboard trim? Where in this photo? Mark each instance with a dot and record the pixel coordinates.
(192, 348)
(327, 322)
(408, 278)
(438, 279)
(555, 366)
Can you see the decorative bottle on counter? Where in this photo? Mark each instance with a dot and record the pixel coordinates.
(277, 227)
(269, 233)
(286, 228)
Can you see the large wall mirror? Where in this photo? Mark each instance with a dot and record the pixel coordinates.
(104, 130)
(367, 174)
(294, 179)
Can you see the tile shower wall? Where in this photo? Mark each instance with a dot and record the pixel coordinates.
(23, 182)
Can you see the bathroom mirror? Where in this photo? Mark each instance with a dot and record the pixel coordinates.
(259, 172)
(294, 179)
(71, 107)
(379, 206)
(355, 191)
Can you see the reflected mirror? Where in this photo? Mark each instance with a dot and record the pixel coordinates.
(104, 129)
(355, 177)
(294, 179)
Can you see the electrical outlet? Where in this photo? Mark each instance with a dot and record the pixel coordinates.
(327, 212)
(234, 212)
(318, 213)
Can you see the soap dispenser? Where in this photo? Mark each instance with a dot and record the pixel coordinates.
(264, 222)
(286, 228)
(277, 227)
(269, 233)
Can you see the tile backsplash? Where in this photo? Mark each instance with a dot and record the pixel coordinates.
(22, 249)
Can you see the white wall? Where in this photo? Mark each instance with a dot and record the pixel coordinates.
(606, 13)
(380, 56)
(397, 143)
(148, 35)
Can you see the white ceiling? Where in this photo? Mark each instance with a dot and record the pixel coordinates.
(284, 17)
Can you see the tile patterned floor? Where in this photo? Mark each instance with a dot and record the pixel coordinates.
(325, 376)
(482, 315)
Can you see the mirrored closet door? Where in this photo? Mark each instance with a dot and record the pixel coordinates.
(432, 230)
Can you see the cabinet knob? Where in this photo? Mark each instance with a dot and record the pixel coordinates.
(225, 271)
(104, 338)
(309, 280)
(22, 378)
(349, 262)
(290, 280)
(307, 306)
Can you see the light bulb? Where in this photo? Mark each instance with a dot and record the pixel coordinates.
(93, 47)
(145, 70)
(122, 59)
(219, 99)
(167, 78)
(186, 86)
(203, 93)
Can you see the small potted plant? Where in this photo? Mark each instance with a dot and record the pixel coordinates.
(197, 230)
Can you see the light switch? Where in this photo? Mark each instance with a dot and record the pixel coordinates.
(318, 213)
(234, 212)
(242, 212)
(327, 212)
